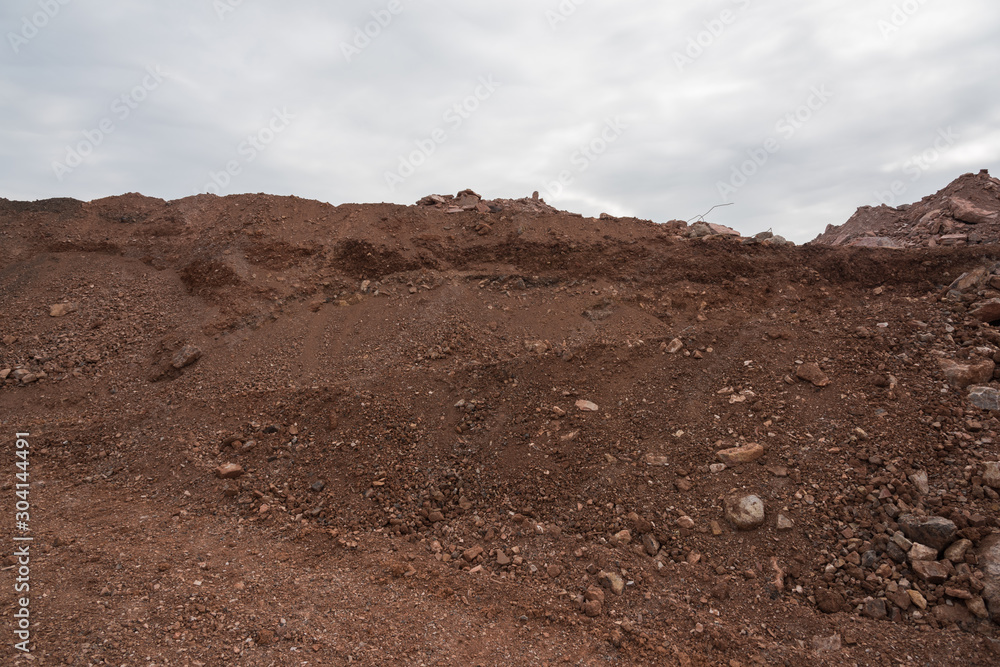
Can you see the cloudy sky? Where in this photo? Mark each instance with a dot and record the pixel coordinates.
(795, 112)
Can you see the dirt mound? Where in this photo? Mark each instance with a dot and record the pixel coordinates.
(966, 212)
(274, 431)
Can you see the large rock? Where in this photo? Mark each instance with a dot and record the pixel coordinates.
(984, 398)
(934, 531)
(186, 356)
(922, 552)
(812, 373)
(61, 309)
(745, 512)
(965, 211)
(989, 564)
(612, 581)
(829, 601)
(963, 375)
(986, 311)
(745, 454)
(229, 471)
(991, 477)
(931, 571)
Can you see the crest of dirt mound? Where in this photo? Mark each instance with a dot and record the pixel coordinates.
(966, 212)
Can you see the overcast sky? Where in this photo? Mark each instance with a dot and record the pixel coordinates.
(797, 112)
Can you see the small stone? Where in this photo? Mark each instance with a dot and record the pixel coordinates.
(554, 571)
(811, 372)
(229, 471)
(186, 356)
(4, 373)
(587, 406)
(745, 454)
(919, 480)
(784, 523)
(654, 460)
(745, 512)
(833, 643)
(61, 309)
(922, 552)
(900, 598)
(435, 516)
(650, 544)
(716, 468)
(829, 601)
(917, 598)
(623, 537)
(716, 528)
(956, 552)
(502, 558)
(685, 522)
(592, 608)
(612, 581)
(957, 593)
(594, 593)
(317, 487)
(675, 346)
(875, 609)
(472, 553)
(933, 572)
(264, 508)
(934, 531)
(977, 607)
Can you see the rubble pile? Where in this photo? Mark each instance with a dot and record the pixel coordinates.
(966, 212)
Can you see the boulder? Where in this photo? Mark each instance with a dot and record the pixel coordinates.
(986, 311)
(984, 398)
(745, 512)
(991, 476)
(934, 531)
(229, 471)
(931, 571)
(965, 211)
(989, 565)
(964, 374)
(745, 454)
(811, 372)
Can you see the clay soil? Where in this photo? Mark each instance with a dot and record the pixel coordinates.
(400, 388)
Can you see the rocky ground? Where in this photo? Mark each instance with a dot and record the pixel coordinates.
(270, 431)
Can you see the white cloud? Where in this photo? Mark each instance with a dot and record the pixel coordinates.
(354, 119)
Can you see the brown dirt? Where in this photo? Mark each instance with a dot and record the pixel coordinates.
(423, 367)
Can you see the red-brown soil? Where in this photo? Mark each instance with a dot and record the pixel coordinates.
(400, 387)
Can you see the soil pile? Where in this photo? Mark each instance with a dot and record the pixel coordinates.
(966, 212)
(270, 431)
